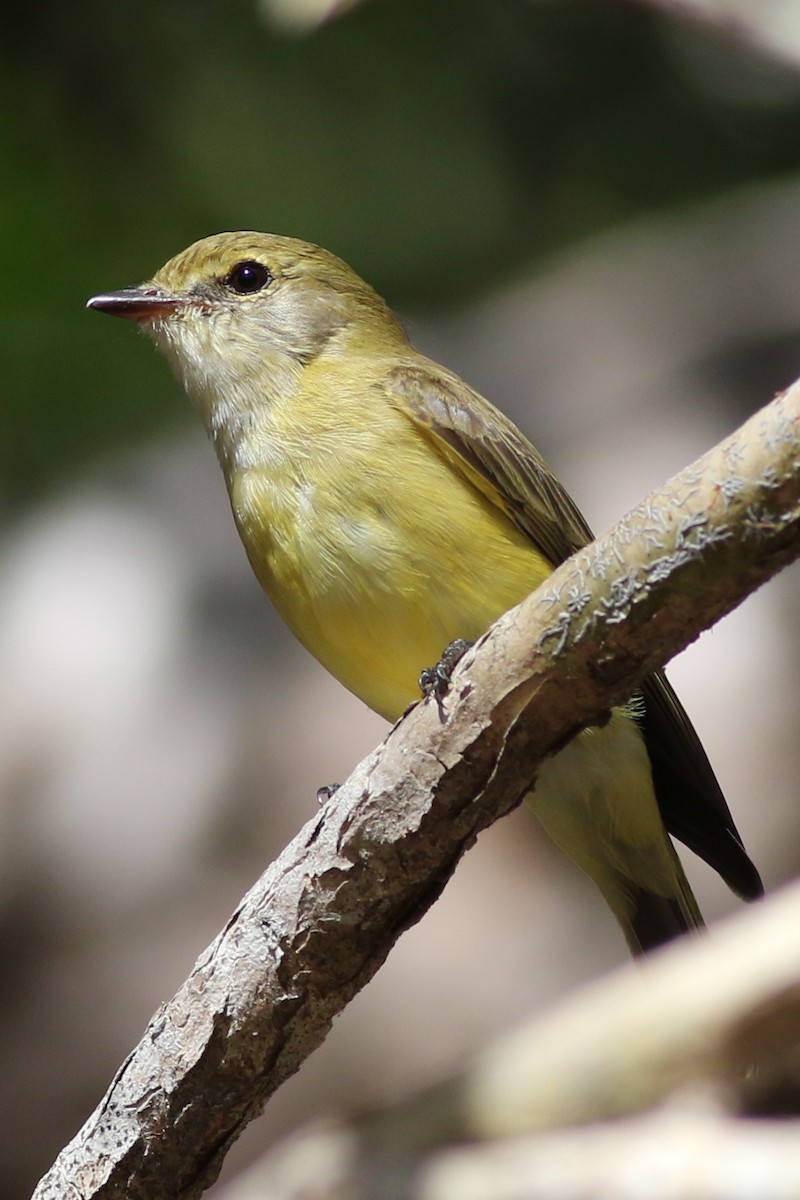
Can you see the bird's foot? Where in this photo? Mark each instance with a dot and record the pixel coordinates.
(434, 681)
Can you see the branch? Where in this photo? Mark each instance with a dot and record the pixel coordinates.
(690, 1031)
(689, 1155)
(693, 1155)
(323, 917)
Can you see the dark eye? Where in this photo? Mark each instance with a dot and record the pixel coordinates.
(248, 277)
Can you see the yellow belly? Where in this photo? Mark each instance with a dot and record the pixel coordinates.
(377, 589)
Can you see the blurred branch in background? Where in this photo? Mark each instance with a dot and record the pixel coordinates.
(772, 23)
(638, 1085)
(322, 919)
(775, 24)
(303, 16)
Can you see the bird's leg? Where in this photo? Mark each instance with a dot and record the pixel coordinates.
(434, 681)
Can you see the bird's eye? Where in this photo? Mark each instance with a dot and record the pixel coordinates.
(248, 277)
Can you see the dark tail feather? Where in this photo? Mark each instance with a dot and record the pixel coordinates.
(657, 919)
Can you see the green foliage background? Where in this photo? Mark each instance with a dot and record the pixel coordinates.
(439, 147)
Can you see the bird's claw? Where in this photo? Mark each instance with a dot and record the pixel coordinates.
(434, 681)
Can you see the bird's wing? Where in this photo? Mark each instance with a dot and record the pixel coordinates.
(490, 451)
(482, 443)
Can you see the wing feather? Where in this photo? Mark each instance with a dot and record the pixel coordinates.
(486, 447)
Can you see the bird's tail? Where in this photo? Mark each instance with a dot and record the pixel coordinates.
(649, 919)
(595, 799)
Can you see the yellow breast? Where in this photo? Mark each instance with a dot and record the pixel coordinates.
(376, 552)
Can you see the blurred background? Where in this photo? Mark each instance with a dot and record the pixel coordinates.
(590, 210)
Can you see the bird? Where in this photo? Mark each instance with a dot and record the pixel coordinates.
(389, 510)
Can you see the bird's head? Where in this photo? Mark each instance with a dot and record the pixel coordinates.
(242, 307)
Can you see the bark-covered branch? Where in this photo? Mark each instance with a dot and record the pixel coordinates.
(323, 917)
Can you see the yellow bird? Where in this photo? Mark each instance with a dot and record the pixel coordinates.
(387, 509)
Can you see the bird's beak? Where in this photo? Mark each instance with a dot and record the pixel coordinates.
(143, 304)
